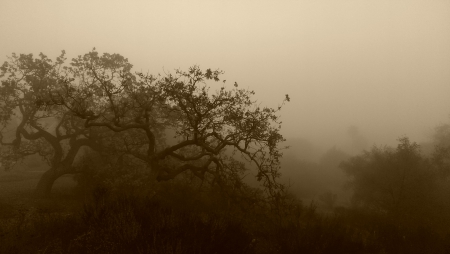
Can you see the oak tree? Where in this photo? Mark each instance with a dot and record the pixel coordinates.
(218, 132)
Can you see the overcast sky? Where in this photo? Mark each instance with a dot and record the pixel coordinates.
(383, 66)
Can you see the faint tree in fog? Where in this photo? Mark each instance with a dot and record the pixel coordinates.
(333, 158)
(399, 182)
(358, 141)
(441, 135)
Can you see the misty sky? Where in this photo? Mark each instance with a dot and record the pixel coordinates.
(382, 66)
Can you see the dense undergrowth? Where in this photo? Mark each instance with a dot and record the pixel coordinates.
(183, 219)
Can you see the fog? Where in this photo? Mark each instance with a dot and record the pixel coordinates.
(379, 65)
(359, 73)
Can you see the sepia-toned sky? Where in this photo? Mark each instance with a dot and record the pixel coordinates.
(382, 66)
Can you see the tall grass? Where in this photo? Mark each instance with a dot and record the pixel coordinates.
(122, 224)
(184, 219)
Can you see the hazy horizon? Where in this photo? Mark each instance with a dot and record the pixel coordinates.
(380, 66)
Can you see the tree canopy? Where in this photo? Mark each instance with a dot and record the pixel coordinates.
(98, 94)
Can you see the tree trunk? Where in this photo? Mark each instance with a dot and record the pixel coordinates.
(46, 182)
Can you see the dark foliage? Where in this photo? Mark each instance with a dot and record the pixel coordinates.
(110, 222)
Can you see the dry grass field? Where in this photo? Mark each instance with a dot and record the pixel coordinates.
(73, 222)
(17, 193)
